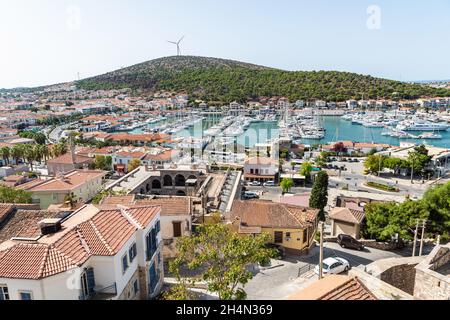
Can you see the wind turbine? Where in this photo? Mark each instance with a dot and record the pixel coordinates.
(178, 45)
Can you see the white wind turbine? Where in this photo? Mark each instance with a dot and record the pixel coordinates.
(178, 45)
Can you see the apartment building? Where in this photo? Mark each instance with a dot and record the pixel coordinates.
(95, 253)
(82, 184)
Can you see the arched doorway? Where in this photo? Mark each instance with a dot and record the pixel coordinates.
(168, 181)
(180, 180)
(156, 184)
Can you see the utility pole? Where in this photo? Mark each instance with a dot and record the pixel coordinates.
(424, 222)
(415, 238)
(321, 251)
(412, 171)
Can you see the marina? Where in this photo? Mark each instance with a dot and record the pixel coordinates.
(304, 128)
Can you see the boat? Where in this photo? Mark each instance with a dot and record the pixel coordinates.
(430, 135)
(423, 126)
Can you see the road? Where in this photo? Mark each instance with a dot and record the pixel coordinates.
(283, 279)
(55, 135)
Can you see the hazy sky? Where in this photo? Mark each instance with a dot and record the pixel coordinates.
(49, 41)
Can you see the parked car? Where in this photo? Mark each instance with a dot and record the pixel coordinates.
(333, 266)
(250, 195)
(346, 241)
(255, 183)
(269, 184)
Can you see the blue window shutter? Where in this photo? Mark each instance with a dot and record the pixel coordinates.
(158, 226)
(90, 280)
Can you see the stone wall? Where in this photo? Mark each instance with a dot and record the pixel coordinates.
(432, 275)
(398, 272)
(381, 289)
(431, 286)
(128, 291)
(402, 277)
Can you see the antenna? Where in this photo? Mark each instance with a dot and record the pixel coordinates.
(78, 76)
(178, 45)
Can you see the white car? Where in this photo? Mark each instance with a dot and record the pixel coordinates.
(255, 183)
(269, 184)
(334, 266)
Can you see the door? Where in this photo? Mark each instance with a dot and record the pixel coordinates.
(177, 229)
(153, 279)
(278, 237)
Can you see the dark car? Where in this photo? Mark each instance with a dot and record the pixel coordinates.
(346, 241)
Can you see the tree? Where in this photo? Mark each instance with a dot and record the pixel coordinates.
(70, 199)
(17, 153)
(286, 184)
(418, 160)
(11, 195)
(436, 203)
(306, 169)
(374, 164)
(5, 154)
(319, 194)
(384, 220)
(134, 164)
(222, 256)
(339, 148)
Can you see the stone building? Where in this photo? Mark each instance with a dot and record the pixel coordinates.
(433, 275)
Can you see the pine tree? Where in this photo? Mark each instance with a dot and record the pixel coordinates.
(319, 194)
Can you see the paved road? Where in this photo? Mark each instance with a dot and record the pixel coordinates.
(284, 279)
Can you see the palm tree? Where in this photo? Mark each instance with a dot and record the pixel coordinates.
(70, 199)
(45, 153)
(17, 153)
(29, 154)
(5, 154)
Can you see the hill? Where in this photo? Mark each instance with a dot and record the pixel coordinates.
(223, 81)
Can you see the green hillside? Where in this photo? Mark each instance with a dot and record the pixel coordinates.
(224, 81)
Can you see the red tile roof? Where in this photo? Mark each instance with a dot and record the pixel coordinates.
(170, 206)
(89, 232)
(347, 215)
(271, 214)
(335, 287)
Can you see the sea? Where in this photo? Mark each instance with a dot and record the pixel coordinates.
(337, 129)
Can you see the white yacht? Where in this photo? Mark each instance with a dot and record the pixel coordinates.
(423, 126)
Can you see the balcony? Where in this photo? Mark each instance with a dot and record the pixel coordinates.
(106, 293)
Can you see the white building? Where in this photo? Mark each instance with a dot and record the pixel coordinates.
(95, 253)
(261, 169)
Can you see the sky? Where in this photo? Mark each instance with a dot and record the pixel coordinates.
(51, 41)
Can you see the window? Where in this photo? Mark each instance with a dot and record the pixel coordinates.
(158, 226)
(87, 283)
(305, 235)
(151, 244)
(124, 263)
(25, 295)
(278, 237)
(176, 229)
(135, 287)
(132, 252)
(4, 294)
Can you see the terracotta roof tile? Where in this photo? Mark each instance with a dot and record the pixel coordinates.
(170, 206)
(334, 287)
(87, 233)
(271, 214)
(347, 215)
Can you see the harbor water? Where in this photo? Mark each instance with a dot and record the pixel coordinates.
(337, 129)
